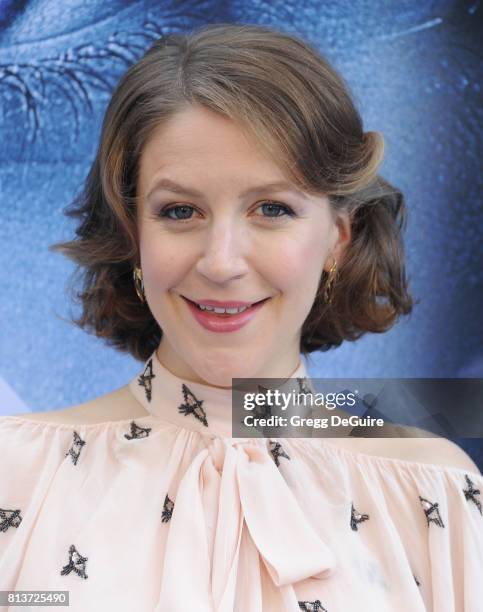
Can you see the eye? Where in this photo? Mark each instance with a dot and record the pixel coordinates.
(277, 206)
(182, 212)
(58, 78)
(179, 208)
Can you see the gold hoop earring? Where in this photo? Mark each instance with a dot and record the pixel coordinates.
(138, 283)
(330, 282)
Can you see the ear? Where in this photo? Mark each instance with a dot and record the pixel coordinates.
(341, 237)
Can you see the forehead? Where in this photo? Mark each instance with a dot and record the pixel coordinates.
(200, 141)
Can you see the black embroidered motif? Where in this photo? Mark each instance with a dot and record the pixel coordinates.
(77, 563)
(192, 406)
(417, 581)
(277, 452)
(263, 412)
(303, 386)
(430, 508)
(167, 509)
(312, 606)
(75, 449)
(266, 410)
(145, 379)
(137, 432)
(9, 518)
(357, 518)
(471, 493)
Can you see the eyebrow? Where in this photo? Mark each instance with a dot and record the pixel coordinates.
(166, 184)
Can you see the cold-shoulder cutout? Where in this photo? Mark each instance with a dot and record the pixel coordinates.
(435, 449)
(447, 453)
(118, 405)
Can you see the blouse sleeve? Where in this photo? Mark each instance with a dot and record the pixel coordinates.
(426, 516)
(31, 453)
(455, 537)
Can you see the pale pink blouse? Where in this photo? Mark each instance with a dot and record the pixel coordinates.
(169, 513)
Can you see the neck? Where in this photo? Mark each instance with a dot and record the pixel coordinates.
(177, 366)
(196, 405)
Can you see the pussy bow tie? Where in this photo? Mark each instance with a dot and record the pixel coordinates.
(233, 509)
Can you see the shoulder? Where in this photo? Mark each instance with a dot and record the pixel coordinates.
(413, 444)
(427, 447)
(114, 406)
(448, 453)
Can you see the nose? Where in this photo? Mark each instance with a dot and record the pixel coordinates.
(224, 250)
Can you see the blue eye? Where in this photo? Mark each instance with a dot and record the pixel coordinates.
(269, 205)
(185, 209)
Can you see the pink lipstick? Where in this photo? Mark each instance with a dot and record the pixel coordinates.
(223, 323)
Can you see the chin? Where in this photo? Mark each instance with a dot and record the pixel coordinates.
(220, 373)
(226, 383)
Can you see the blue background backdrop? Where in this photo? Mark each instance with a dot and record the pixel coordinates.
(413, 70)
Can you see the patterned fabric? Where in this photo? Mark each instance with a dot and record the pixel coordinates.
(169, 512)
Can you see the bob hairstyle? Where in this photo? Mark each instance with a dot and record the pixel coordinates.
(281, 92)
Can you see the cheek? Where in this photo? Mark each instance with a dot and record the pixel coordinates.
(161, 262)
(297, 266)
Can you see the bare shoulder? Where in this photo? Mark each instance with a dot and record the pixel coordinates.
(411, 444)
(441, 451)
(114, 406)
(427, 447)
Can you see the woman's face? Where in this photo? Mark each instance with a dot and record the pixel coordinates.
(227, 244)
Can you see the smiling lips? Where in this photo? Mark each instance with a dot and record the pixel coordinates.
(223, 323)
(217, 304)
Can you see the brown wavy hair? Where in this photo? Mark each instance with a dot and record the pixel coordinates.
(279, 89)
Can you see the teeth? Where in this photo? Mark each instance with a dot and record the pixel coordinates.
(223, 310)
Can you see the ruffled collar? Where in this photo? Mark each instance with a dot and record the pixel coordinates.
(197, 406)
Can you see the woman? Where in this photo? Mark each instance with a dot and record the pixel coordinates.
(233, 172)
